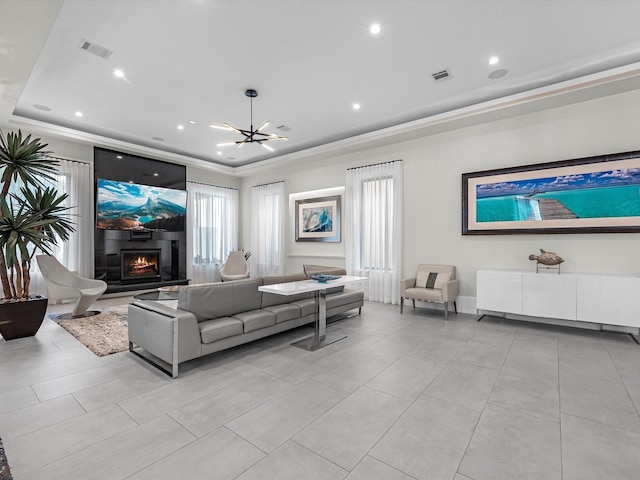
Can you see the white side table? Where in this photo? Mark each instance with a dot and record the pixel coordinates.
(320, 338)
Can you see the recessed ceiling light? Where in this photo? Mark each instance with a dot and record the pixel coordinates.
(118, 73)
(180, 127)
(375, 28)
(192, 122)
(356, 106)
(44, 108)
(155, 174)
(79, 114)
(493, 60)
(219, 152)
(119, 157)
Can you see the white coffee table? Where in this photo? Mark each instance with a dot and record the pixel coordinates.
(320, 338)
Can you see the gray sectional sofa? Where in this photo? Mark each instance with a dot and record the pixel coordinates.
(213, 317)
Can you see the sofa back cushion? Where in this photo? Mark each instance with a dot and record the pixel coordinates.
(271, 299)
(221, 299)
(294, 277)
(323, 270)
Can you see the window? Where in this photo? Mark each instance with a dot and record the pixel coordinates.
(267, 229)
(373, 229)
(74, 179)
(376, 225)
(212, 220)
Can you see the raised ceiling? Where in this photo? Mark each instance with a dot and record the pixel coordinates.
(310, 61)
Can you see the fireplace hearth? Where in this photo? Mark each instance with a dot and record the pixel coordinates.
(139, 265)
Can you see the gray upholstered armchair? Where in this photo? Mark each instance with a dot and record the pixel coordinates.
(432, 283)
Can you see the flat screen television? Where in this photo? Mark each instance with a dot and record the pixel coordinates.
(131, 206)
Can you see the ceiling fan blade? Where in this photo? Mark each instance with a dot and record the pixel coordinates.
(267, 147)
(225, 144)
(273, 136)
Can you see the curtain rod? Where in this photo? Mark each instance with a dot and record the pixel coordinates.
(374, 164)
(265, 184)
(211, 185)
(69, 160)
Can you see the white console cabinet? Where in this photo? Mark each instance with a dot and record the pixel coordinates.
(602, 299)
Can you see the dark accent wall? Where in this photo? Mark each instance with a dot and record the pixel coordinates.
(109, 243)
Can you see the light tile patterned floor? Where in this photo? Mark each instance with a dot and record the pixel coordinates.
(402, 397)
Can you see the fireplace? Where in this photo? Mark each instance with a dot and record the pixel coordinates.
(140, 265)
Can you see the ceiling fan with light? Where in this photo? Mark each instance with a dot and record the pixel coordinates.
(251, 135)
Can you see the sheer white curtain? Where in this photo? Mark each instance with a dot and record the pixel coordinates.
(212, 221)
(267, 229)
(75, 179)
(373, 229)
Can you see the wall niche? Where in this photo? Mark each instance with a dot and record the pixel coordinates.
(140, 232)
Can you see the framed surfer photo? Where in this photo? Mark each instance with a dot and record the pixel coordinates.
(318, 219)
(587, 195)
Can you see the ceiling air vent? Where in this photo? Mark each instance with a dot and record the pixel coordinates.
(95, 49)
(441, 75)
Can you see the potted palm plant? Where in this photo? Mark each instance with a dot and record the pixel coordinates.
(33, 218)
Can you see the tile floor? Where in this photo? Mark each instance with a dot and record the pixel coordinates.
(403, 397)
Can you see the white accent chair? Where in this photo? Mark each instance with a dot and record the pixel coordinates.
(235, 268)
(432, 283)
(65, 285)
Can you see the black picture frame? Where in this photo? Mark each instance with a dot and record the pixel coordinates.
(599, 194)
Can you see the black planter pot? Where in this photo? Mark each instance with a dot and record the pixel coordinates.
(22, 319)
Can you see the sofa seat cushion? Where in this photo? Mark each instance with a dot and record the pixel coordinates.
(426, 294)
(346, 297)
(219, 328)
(307, 307)
(256, 319)
(271, 299)
(285, 312)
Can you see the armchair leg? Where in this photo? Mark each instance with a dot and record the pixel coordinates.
(446, 311)
(455, 307)
(401, 304)
(414, 303)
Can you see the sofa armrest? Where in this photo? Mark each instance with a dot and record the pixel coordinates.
(450, 290)
(171, 334)
(407, 283)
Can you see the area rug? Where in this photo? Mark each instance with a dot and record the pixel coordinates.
(5, 471)
(103, 334)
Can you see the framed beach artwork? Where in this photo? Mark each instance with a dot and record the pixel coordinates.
(587, 195)
(318, 219)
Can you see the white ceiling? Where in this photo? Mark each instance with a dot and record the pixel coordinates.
(309, 60)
